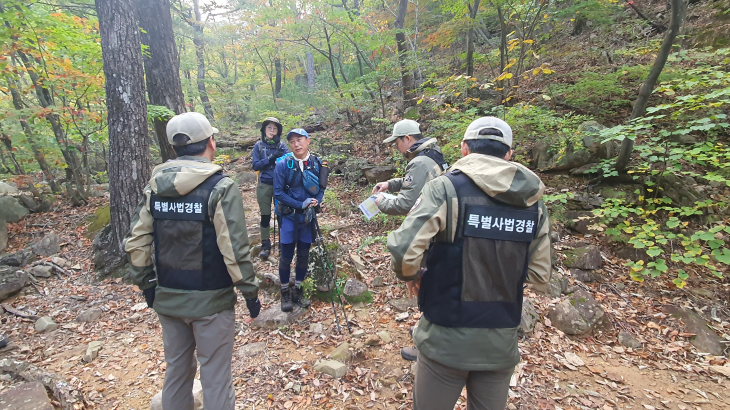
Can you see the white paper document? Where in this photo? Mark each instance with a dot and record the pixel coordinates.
(369, 208)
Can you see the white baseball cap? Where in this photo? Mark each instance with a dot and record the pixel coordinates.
(490, 123)
(402, 128)
(192, 124)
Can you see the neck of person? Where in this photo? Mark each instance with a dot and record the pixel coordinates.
(303, 157)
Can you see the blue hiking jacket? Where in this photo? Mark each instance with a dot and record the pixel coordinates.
(261, 152)
(295, 195)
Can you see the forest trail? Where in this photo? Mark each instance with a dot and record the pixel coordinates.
(274, 368)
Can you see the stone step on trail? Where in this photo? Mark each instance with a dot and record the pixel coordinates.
(274, 318)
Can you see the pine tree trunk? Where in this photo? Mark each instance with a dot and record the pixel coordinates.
(162, 65)
(277, 82)
(627, 145)
(400, 39)
(200, 55)
(129, 156)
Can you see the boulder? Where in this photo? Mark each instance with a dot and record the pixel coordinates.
(97, 190)
(558, 285)
(587, 257)
(581, 222)
(351, 169)
(530, 316)
(156, 403)
(627, 251)
(354, 288)
(246, 178)
(252, 349)
(11, 282)
(6, 188)
(11, 210)
(375, 174)
(41, 271)
(341, 353)
(28, 202)
(3, 235)
(577, 314)
(18, 259)
(583, 275)
(378, 281)
(706, 341)
(577, 152)
(90, 315)
(402, 305)
(327, 148)
(626, 339)
(92, 351)
(49, 245)
(680, 190)
(274, 318)
(45, 324)
(331, 367)
(585, 169)
(106, 260)
(27, 396)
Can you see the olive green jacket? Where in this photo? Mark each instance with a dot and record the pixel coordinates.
(174, 179)
(508, 182)
(419, 170)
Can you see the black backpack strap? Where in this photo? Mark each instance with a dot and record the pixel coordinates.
(436, 156)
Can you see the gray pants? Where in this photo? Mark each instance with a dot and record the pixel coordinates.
(214, 336)
(438, 387)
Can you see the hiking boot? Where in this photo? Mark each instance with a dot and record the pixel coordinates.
(286, 300)
(298, 298)
(409, 353)
(265, 249)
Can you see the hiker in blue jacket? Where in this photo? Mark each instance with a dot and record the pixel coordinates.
(300, 180)
(265, 154)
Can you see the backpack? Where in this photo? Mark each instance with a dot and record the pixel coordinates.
(313, 180)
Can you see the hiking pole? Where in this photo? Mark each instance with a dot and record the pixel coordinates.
(330, 270)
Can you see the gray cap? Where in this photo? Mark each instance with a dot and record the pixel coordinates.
(403, 127)
(494, 123)
(192, 124)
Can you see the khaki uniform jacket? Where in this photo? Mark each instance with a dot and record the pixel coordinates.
(419, 170)
(508, 182)
(174, 179)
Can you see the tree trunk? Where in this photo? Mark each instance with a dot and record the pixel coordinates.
(129, 155)
(162, 65)
(502, 51)
(627, 145)
(200, 55)
(400, 39)
(277, 69)
(8, 143)
(470, 37)
(310, 70)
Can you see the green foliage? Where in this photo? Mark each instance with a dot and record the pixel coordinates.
(159, 112)
(383, 240)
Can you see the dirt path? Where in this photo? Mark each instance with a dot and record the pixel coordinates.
(600, 374)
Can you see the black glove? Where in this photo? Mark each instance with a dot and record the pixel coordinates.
(278, 153)
(149, 296)
(254, 307)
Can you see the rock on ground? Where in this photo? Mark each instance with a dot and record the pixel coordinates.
(341, 353)
(11, 210)
(378, 281)
(18, 259)
(11, 283)
(49, 245)
(92, 351)
(27, 396)
(587, 257)
(354, 288)
(378, 173)
(331, 367)
(577, 314)
(385, 336)
(3, 235)
(197, 397)
(6, 188)
(252, 349)
(45, 324)
(90, 315)
(706, 340)
(584, 276)
(626, 339)
(402, 305)
(274, 318)
(316, 328)
(530, 317)
(42, 271)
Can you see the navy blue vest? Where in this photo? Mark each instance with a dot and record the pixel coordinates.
(187, 256)
(476, 281)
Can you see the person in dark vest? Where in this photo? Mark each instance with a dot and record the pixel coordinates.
(425, 162)
(265, 153)
(192, 218)
(300, 180)
(490, 232)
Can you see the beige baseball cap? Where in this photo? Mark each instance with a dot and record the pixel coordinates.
(490, 123)
(401, 128)
(192, 124)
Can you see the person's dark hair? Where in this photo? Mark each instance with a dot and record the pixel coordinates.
(487, 147)
(195, 148)
(416, 137)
